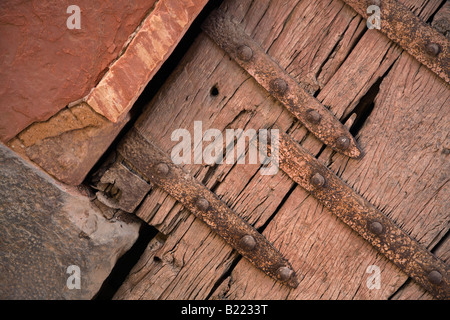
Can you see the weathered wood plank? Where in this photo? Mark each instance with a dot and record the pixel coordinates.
(330, 255)
(236, 188)
(345, 81)
(411, 290)
(406, 180)
(332, 258)
(273, 190)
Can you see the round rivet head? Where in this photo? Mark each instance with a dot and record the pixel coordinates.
(433, 49)
(435, 277)
(376, 227)
(162, 168)
(278, 85)
(247, 242)
(202, 204)
(317, 180)
(343, 142)
(244, 53)
(313, 116)
(285, 273)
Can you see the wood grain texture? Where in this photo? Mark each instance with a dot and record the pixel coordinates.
(279, 84)
(412, 34)
(159, 169)
(398, 174)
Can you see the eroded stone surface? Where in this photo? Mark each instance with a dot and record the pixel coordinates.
(45, 228)
(69, 144)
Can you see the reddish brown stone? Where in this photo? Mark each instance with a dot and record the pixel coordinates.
(69, 144)
(154, 42)
(45, 66)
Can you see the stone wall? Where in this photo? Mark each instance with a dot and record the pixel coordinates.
(45, 65)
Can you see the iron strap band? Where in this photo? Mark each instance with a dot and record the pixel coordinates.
(411, 257)
(144, 157)
(420, 40)
(251, 57)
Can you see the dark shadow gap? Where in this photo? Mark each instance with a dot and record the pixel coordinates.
(431, 18)
(440, 242)
(364, 108)
(225, 275)
(126, 263)
(322, 149)
(280, 205)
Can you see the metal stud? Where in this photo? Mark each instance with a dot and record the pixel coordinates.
(376, 227)
(202, 204)
(317, 180)
(433, 48)
(279, 86)
(343, 142)
(162, 168)
(313, 116)
(247, 242)
(285, 273)
(244, 53)
(435, 277)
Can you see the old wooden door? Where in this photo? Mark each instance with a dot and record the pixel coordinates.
(396, 108)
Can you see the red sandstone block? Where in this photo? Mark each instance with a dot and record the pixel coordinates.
(154, 42)
(44, 66)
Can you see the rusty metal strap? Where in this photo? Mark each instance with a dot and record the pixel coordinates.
(251, 57)
(155, 166)
(365, 219)
(422, 41)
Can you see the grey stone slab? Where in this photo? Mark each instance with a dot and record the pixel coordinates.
(45, 227)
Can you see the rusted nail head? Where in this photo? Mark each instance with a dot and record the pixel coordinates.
(279, 85)
(248, 242)
(162, 168)
(376, 227)
(245, 53)
(343, 142)
(433, 48)
(318, 180)
(202, 204)
(313, 116)
(435, 277)
(285, 273)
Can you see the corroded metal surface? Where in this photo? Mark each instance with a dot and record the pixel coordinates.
(422, 41)
(250, 56)
(365, 219)
(151, 163)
